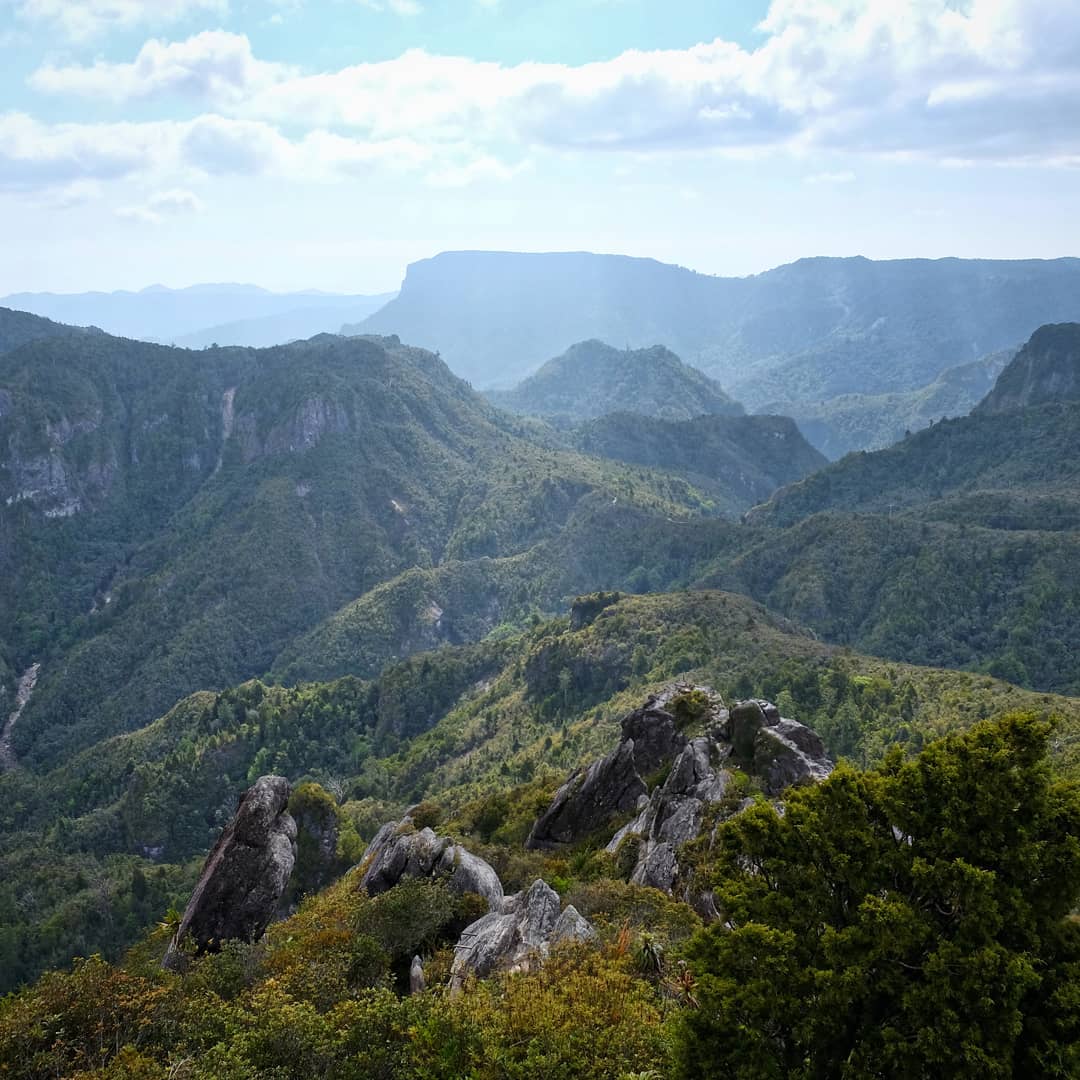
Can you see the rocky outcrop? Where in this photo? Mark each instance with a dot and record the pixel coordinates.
(673, 814)
(244, 876)
(400, 850)
(585, 609)
(753, 739)
(612, 786)
(518, 936)
(310, 422)
(781, 752)
(23, 689)
(606, 788)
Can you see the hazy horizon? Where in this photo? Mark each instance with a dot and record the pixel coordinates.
(392, 290)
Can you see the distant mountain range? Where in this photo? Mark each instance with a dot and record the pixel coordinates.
(202, 314)
(784, 341)
(857, 352)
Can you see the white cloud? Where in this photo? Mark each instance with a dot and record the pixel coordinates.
(843, 176)
(214, 65)
(163, 204)
(82, 19)
(993, 80)
(36, 156)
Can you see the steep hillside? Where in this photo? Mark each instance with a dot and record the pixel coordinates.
(813, 330)
(20, 327)
(738, 460)
(872, 422)
(605, 545)
(166, 315)
(935, 592)
(1047, 369)
(953, 595)
(172, 520)
(1010, 464)
(458, 726)
(591, 379)
(1014, 473)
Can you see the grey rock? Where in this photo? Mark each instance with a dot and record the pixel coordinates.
(781, 751)
(614, 785)
(469, 873)
(244, 876)
(654, 733)
(417, 982)
(517, 937)
(675, 810)
(789, 753)
(399, 850)
(746, 719)
(572, 926)
(753, 736)
(607, 787)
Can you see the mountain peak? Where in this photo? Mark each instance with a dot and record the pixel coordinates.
(593, 378)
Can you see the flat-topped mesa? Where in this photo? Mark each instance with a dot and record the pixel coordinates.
(243, 878)
(518, 936)
(400, 850)
(652, 736)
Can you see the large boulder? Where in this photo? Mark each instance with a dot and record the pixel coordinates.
(244, 876)
(401, 850)
(612, 786)
(517, 937)
(608, 787)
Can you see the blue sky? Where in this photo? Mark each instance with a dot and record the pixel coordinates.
(327, 143)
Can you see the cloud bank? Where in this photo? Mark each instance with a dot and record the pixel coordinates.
(987, 81)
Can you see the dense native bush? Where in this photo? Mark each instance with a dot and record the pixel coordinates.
(910, 921)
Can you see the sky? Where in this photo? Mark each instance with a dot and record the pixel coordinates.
(327, 143)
